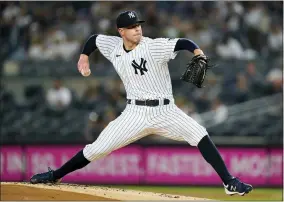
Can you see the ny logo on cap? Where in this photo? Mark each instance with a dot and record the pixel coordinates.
(131, 15)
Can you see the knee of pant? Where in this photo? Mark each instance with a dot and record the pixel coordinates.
(92, 152)
(200, 138)
(193, 140)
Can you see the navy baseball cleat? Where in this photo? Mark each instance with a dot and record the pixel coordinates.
(235, 186)
(46, 177)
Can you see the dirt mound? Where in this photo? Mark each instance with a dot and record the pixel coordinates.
(15, 192)
(26, 191)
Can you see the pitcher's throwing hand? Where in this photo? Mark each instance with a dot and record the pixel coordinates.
(83, 65)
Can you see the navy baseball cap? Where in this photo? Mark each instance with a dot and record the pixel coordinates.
(127, 18)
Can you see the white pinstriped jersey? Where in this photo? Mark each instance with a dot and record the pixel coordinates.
(144, 70)
(145, 74)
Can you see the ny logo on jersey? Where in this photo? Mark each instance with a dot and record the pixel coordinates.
(141, 66)
(131, 15)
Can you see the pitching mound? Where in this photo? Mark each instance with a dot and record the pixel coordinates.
(26, 191)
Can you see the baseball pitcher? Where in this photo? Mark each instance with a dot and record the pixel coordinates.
(142, 64)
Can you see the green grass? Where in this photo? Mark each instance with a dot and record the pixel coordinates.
(264, 194)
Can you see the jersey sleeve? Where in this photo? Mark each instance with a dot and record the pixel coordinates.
(106, 44)
(162, 49)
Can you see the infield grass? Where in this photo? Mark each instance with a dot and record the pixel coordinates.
(258, 194)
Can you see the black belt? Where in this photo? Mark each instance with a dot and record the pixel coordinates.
(149, 102)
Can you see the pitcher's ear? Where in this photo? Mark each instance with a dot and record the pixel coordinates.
(120, 30)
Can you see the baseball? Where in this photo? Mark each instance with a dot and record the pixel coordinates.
(86, 73)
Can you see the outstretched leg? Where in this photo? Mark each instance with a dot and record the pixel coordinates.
(211, 154)
(178, 124)
(128, 127)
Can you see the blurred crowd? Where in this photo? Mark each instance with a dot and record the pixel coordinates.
(226, 30)
(101, 102)
(48, 30)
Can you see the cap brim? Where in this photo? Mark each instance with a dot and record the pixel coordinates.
(140, 21)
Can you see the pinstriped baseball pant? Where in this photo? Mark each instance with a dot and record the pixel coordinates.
(136, 122)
